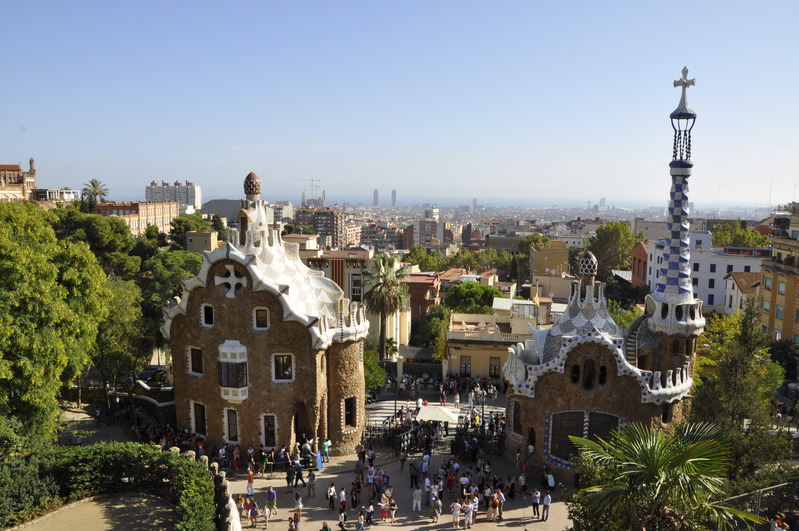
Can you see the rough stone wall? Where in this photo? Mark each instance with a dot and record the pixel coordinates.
(346, 377)
(555, 392)
(233, 320)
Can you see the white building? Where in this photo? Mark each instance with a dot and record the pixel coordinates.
(709, 266)
(189, 196)
(737, 286)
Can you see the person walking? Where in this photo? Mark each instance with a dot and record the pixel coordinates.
(456, 513)
(297, 503)
(331, 495)
(417, 499)
(392, 510)
(413, 469)
(536, 502)
(250, 480)
(311, 484)
(435, 508)
(545, 507)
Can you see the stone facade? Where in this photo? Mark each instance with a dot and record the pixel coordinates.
(264, 349)
(16, 184)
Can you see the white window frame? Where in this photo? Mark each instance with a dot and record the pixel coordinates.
(227, 410)
(189, 364)
(293, 368)
(255, 321)
(263, 433)
(202, 315)
(193, 420)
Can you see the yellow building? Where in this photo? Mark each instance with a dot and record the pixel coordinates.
(780, 288)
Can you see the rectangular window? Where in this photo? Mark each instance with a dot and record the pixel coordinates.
(349, 413)
(780, 313)
(777, 334)
(747, 269)
(208, 315)
(517, 417)
(199, 419)
(600, 425)
(696, 266)
(766, 307)
(729, 269)
(711, 283)
(196, 360)
(466, 365)
(356, 287)
(261, 319)
(233, 374)
(283, 366)
(232, 425)
(781, 287)
(695, 281)
(493, 367)
(711, 300)
(796, 316)
(270, 433)
(563, 425)
(767, 283)
(712, 268)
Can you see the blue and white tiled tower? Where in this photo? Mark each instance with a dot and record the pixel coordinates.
(672, 308)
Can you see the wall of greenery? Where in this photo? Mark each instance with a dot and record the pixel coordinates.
(35, 484)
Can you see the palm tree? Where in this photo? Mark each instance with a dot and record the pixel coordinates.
(386, 293)
(94, 191)
(653, 481)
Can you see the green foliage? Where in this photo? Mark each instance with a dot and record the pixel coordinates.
(219, 226)
(373, 373)
(464, 258)
(623, 318)
(532, 241)
(738, 393)
(108, 237)
(642, 478)
(613, 247)
(35, 483)
(784, 353)
(92, 192)
(160, 281)
(433, 333)
(288, 228)
(472, 297)
(52, 297)
(184, 223)
(307, 229)
(733, 235)
(385, 293)
(418, 255)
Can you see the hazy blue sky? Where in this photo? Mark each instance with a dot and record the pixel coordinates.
(510, 102)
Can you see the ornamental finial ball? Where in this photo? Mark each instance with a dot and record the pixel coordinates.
(252, 184)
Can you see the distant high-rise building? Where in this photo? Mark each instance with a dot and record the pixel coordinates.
(602, 202)
(375, 201)
(474, 204)
(189, 195)
(393, 198)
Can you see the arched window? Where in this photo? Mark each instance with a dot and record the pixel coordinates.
(675, 348)
(575, 373)
(603, 375)
(588, 374)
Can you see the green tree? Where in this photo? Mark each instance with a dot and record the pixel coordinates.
(733, 235)
(623, 318)
(109, 239)
(219, 226)
(532, 241)
(737, 395)
(613, 247)
(418, 255)
(117, 353)
(52, 298)
(783, 351)
(649, 480)
(288, 228)
(386, 293)
(184, 223)
(472, 297)
(373, 373)
(159, 282)
(93, 192)
(433, 333)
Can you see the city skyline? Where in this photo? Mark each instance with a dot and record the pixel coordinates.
(514, 104)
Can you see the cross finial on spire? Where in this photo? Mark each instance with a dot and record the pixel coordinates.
(684, 82)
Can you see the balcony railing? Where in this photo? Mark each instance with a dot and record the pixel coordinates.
(487, 335)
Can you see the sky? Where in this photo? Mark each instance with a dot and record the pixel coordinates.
(509, 102)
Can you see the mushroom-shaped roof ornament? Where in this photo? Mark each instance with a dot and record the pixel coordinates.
(252, 184)
(588, 268)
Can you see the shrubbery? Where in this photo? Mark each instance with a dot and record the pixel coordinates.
(37, 483)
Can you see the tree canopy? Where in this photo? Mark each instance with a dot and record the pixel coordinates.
(52, 298)
(183, 224)
(385, 291)
(472, 297)
(734, 235)
(640, 478)
(737, 395)
(92, 192)
(613, 246)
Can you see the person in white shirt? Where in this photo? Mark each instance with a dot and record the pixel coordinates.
(456, 513)
(501, 500)
(417, 499)
(545, 506)
(427, 485)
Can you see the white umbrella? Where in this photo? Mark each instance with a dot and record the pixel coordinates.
(437, 414)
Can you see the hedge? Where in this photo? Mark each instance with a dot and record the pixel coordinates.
(37, 483)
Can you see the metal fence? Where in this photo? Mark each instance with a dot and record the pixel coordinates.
(777, 499)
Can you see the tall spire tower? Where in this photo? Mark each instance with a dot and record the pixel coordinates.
(673, 308)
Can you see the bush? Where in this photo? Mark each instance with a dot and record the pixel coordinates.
(36, 483)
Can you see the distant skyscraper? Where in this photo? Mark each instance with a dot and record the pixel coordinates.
(602, 202)
(375, 201)
(393, 198)
(189, 195)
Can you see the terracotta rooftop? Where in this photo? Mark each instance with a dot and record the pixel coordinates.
(747, 282)
(10, 167)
